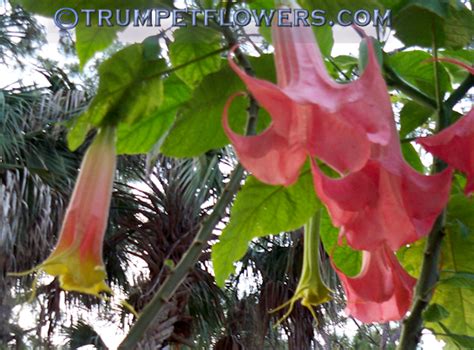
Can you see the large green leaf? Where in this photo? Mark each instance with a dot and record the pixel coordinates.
(191, 44)
(260, 210)
(344, 257)
(414, 67)
(418, 21)
(143, 134)
(130, 88)
(453, 293)
(412, 116)
(198, 127)
(456, 260)
(92, 38)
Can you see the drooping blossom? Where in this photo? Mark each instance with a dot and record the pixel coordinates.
(311, 289)
(383, 204)
(311, 114)
(386, 202)
(455, 144)
(77, 257)
(382, 291)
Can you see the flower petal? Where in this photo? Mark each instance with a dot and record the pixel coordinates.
(376, 207)
(271, 157)
(382, 291)
(455, 146)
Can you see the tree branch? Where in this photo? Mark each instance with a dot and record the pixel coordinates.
(460, 92)
(189, 259)
(413, 324)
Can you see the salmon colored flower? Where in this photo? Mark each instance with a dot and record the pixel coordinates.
(383, 204)
(455, 146)
(386, 202)
(77, 257)
(311, 289)
(382, 291)
(311, 114)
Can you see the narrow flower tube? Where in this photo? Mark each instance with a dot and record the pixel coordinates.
(311, 289)
(382, 291)
(77, 257)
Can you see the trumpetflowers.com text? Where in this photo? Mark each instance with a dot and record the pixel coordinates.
(69, 18)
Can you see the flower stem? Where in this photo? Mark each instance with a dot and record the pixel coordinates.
(189, 259)
(413, 324)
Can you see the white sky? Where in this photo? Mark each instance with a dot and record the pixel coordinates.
(346, 42)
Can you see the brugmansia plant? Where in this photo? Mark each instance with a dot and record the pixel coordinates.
(312, 143)
(77, 258)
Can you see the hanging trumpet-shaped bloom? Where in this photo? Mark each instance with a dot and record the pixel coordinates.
(455, 146)
(311, 114)
(311, 290)
(77, 257)
(383, 205)
(386, 202)
(382, 291)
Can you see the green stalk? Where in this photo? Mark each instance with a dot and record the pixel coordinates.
(190, 258)
(429, 276)
(187, 262)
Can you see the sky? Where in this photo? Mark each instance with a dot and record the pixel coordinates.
(346, 42)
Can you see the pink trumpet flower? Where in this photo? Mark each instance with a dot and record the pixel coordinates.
(382, 291)
(383, 205)
(312, 115)
(455, 146)
(386, 202)
(77, 258)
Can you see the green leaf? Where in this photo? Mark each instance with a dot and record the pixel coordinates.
(260, 210)
(463, 341)
(412, 157)
(410, 257)
(130, 88)
(346, 259)
(78, 131)
(453, 25)
(141, 136)
(456, 267)
(325, 39)
(415, 68)
(435, 313)
(458, 74)
(192, 44)
(198, 127)
(459, 280)
(93, 38)
(412, 116)
(90, 40)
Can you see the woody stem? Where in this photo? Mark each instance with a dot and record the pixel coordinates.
(191, 256)
(413, 324)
